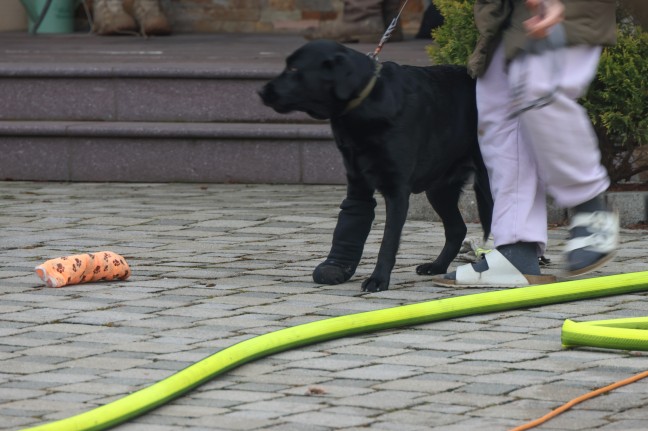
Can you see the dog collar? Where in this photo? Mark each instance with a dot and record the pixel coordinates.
(354, 103)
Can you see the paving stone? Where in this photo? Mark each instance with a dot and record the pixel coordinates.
(406, 419)
(488, 388)
(330, 420)
(381, 372)
(213, 267)
(383, 400)
(420, 383)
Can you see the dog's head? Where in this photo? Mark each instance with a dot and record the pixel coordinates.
(320, 79)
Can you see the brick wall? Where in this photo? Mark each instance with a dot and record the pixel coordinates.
(265, 16)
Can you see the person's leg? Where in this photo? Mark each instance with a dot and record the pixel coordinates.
(519, 225)
(519, 214)
(520, 203)
(563, 140)
(567, 153)
(362, 21)
(360, 10)
(149, 16)
(111, 18)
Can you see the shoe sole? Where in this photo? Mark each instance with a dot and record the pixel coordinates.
(533, 280)
(596, 265)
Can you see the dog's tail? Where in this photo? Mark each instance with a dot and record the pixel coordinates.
(483, 195)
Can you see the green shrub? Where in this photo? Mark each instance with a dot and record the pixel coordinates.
(617, 101)
(456, 38)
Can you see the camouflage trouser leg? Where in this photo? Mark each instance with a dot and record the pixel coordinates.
(360, 10)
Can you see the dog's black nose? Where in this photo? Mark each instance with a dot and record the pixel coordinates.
(273, 97)
(267, 93)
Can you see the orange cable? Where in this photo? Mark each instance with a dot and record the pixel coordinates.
(578, 400)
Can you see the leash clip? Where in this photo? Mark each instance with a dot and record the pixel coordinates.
(387, 34)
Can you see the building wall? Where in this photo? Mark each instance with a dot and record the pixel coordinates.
(265, 16)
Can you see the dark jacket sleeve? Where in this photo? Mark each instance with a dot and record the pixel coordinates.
(587, 22)
(491, 17)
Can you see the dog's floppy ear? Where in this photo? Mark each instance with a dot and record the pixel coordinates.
(344, 82)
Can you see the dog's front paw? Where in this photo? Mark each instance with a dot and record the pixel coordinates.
(431, 269)
(333, 272)
(375, 284)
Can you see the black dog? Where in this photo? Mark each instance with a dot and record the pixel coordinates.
(401, 130)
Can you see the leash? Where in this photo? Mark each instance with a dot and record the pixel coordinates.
(374, 56)
(388, 33)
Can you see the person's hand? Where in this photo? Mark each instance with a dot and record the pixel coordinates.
(546, 14)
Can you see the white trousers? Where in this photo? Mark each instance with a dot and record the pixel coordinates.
(548, 150)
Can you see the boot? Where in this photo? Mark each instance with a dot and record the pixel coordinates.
(111, 18)
(593, 241)
(369, 30)
(361, 21)
(149, 15)
(353, 227)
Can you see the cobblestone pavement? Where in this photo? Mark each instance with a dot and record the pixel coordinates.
(216, 264)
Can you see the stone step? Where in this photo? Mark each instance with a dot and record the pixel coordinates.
(262, 131)
(182, 78)
(165, 93)
(181, 108)
(632, 207)
(176, 152)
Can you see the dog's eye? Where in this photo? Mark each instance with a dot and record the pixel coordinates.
(291, 69)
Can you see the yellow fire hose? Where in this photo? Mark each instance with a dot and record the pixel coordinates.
(620, 334)
(624, 334)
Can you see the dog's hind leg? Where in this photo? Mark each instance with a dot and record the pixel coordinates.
(445, 201)
(353, 226)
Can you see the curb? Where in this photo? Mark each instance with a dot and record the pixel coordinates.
(632, 207)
